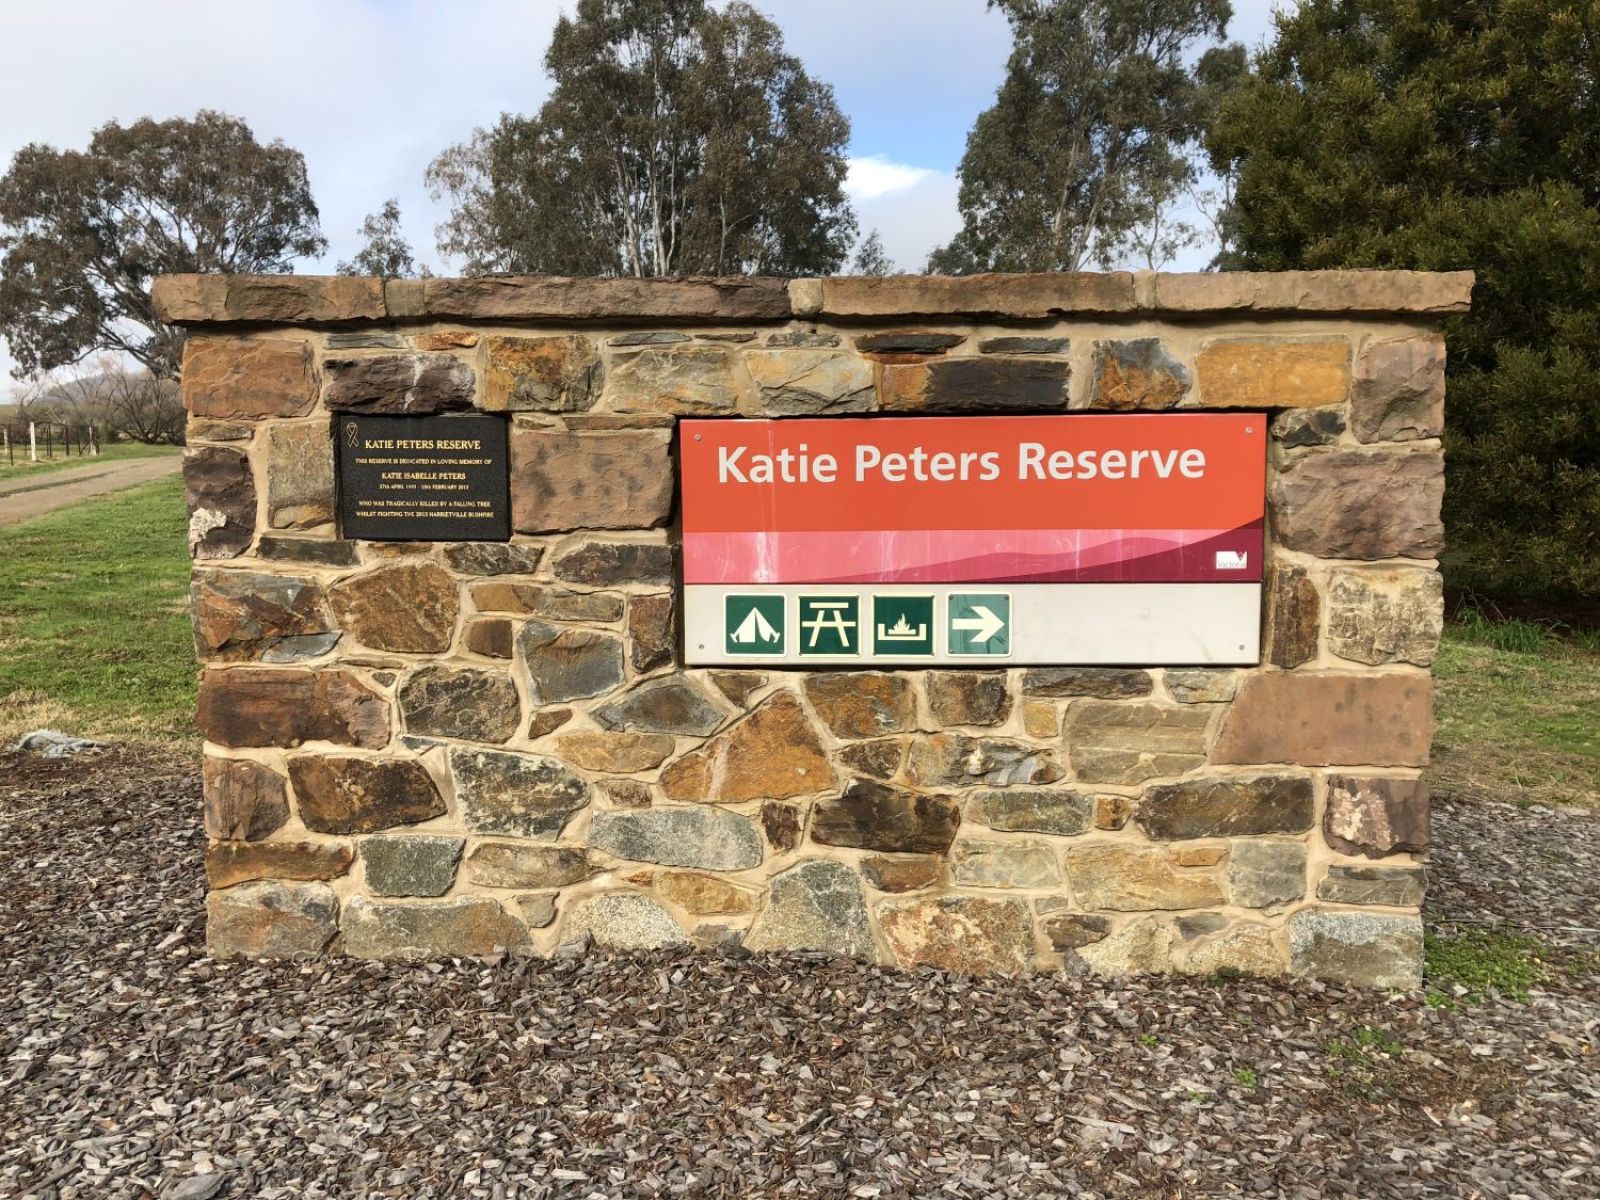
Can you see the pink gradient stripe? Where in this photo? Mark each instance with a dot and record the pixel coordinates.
(961, 555)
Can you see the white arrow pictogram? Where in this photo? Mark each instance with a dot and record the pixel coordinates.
(986, 623)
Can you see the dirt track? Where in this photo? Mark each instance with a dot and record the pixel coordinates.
(26, 498)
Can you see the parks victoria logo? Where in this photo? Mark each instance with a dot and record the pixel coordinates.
(754, 625)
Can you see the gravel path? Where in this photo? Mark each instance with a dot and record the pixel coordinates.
(130, 1066)
(23, 499)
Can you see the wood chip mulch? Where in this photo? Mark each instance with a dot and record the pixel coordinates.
(131, 1066)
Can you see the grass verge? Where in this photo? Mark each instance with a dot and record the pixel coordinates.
(117, 452)
(94, 628)
(1518, 713)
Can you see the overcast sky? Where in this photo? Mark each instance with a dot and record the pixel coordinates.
(371, 90)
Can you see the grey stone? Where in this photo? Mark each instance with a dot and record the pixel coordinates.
(398, 384)
(1366, 949)
(1226, 806)
(815, 905)
(657, 338)
(537, 909)
(569, 664)
(1034, 810)
(1383, 615)
(625, 921)
(520, 795)
(480, 706)
(271, 920)
(606, 564)
(796, 383)
(1105, 683)
(410, 866)
(1013, 863)
(301, 649)
(909, 341)
(801, 338)
(1073, 931)
(520, 865)
(492, 558)
(220, 492)
(711, 839)
(1201, 686)
(670, 705)
(950, 760)
(468, 927)
(313, 551)
(1024, 345)
(1139, 373)
(1266, 873)
(1300, 427)
(1196, 925)
(1390, 887)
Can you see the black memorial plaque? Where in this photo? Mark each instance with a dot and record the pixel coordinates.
(424, 479)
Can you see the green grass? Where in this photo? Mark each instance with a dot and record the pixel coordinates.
(94, 628)
(1518, 713)
(1479, 961)
(117, 452)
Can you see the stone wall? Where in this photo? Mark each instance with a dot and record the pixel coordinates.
(428, 750)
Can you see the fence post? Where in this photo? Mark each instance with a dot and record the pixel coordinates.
(33, 443)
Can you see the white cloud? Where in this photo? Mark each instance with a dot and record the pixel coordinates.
(875, 176)
(914, 219)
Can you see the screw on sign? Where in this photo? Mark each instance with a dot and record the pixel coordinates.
(980, 624)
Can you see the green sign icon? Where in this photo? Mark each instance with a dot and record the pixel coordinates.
(980, 624)
(902, 625)
(753, 624)
(830, 625)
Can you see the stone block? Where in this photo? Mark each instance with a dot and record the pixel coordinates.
(899, 873)
(874, 816)
(478, 706)
(908, 341)
(410, 866)
(670, 705)
(410, 608)
(271, 919)
(1226, 806)
(1017, 297)
(705, 895)
(468, 927)
(968, 697)
(1319, 720)
(1376, 815)
(268, 299)
(959, 933)
(623, 921)
(1112, 812)
(1123, 877)
(492, 558)
(1130, 743)
(256, 707)
(796, 383)
(546, 602)
(615, 753)
(1301, 427)
(1034, 810)
(1399, 390)
(1294, 616)
(220, 493)
(245, 615)
(1012, 863)
(1366, 504)
(772, 754)
(1106, 683)
(569, 664)
(626, 793)
(1137, 375)
(1141, 947)
(951, 760)
(815, 905)
(299, 476)
(244, 800)
(1382, 615)
(709, 839)
(1024, 344)
(399, 384)
(1365, 949)
(606, 564)
(652, 631)
(782, 825)
(565, 480)
(234, 378)
(230, 863)
(202, 430)
(557, 374)
(877, 759)
(1266, 873)
(310, 551)
(1246, 949)
(1041, 719)
(975, 385)
(492, 637)
(518, 795)
(697, 381)
(1390, 887)
(536, 909)
(1274, 372)
(361, 794)
(737, 686)
(540, 297)
(1201, 686)
(862, 704)
(520, 865)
